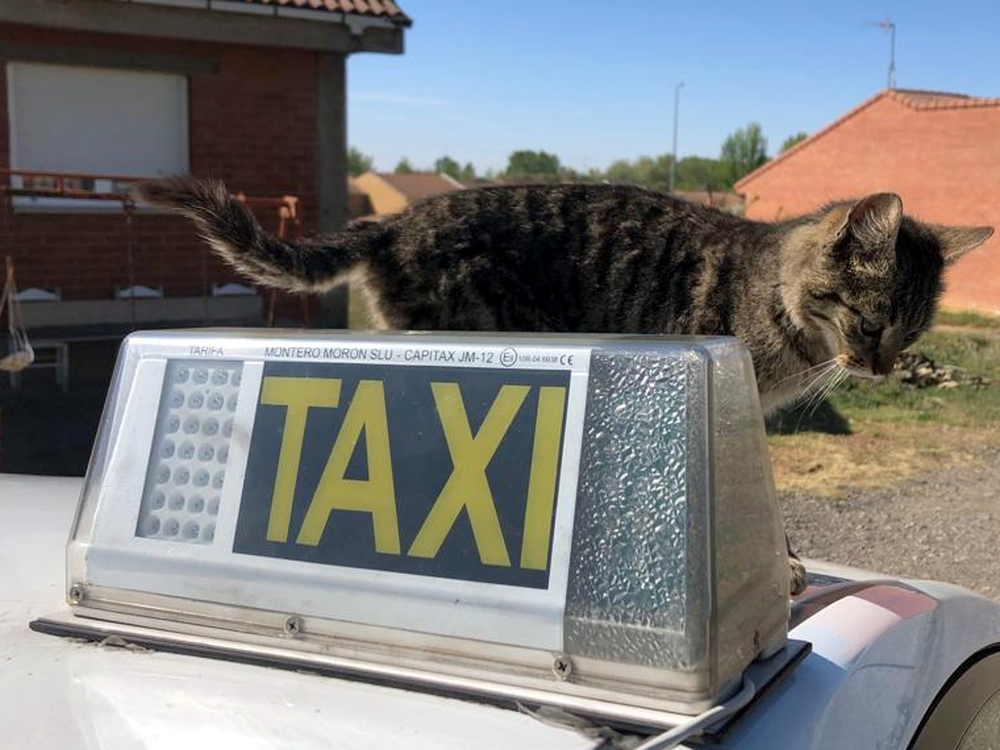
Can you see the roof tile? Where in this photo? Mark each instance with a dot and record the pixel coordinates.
(417, 185)
(376, 8)
(915, 99)
(918, 99)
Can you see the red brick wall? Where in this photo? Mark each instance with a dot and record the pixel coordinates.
(944, 163)
(252, 124)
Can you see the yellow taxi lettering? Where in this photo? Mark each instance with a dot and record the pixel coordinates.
(302, 499)
(467, 487)
(297, 395)
(542, 479)
(375, 495)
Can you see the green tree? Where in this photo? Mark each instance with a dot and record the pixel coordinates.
(620, 170)
(468, 173)
(699, 173)
(649, 171)
(404, 166)
(357, 162)
(568, 174)
(537, 165)
(447, 165)
(793, 140)
(654, 171)
(742, 152)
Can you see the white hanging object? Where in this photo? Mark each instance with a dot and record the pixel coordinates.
(20, 355)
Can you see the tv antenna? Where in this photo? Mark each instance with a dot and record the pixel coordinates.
(890, 26)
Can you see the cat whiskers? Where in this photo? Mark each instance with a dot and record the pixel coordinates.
(820, 387)
(806, 371)
(818, 380)
(835, 380)
(871, 394)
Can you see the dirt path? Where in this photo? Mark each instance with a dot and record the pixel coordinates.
(943, 525)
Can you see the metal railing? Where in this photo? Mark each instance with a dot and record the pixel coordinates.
(34, 183)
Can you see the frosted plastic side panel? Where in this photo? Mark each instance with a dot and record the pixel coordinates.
(665, 431)
(750, 552)
(637, 593)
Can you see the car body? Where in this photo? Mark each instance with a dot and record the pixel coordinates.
(890, 662)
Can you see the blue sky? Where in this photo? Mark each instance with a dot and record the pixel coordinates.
(593, 81)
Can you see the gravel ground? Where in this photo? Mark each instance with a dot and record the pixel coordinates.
(943, 525)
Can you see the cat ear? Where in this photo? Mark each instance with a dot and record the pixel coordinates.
(957, 241)
(874, 221)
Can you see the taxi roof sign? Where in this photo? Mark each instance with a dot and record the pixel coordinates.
(589, 519)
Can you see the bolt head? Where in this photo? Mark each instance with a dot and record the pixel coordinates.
(76, 593)
(293, 625)
(562, 667)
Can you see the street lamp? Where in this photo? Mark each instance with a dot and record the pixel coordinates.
(673, 162)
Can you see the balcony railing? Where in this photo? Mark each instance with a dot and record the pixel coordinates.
(41, 184)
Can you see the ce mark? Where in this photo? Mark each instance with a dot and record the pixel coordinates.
(566, 360)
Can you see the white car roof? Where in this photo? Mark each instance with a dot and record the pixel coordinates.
(61, 693)
(894, 644)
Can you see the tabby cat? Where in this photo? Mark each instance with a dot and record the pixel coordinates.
(840, 291)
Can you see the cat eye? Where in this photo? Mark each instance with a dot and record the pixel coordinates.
(832, 297)
(910, 338)
(868, 328)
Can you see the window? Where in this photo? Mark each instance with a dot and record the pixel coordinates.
(98, 121)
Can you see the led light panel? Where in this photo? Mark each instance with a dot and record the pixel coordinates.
(187, 464)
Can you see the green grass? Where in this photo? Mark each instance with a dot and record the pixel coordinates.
(966, 318)
(965, 406)
(868, 435)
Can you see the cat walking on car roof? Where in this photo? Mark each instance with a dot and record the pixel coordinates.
(841, 291)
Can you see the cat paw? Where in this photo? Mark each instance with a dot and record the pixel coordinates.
(798, 575)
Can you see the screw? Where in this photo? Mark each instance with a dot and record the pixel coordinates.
(562, 667)
(293, 625)
(76, 593)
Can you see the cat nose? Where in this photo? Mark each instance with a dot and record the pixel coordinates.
(882, 366)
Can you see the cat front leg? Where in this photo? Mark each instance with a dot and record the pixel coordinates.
(796, 569)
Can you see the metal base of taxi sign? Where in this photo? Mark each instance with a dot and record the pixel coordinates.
(590, 519)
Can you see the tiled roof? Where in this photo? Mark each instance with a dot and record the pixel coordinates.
(417, 185)
(917, 99)
(375, 8)
(937, 151)
(913, 98)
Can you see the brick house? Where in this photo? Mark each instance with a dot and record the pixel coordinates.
(940, 152)
(248, 91)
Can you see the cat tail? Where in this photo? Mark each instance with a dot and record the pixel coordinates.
(233, 232)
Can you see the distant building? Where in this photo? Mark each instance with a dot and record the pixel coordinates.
(98, 91)
(940, 152)
(358, 204)
(390, 193)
